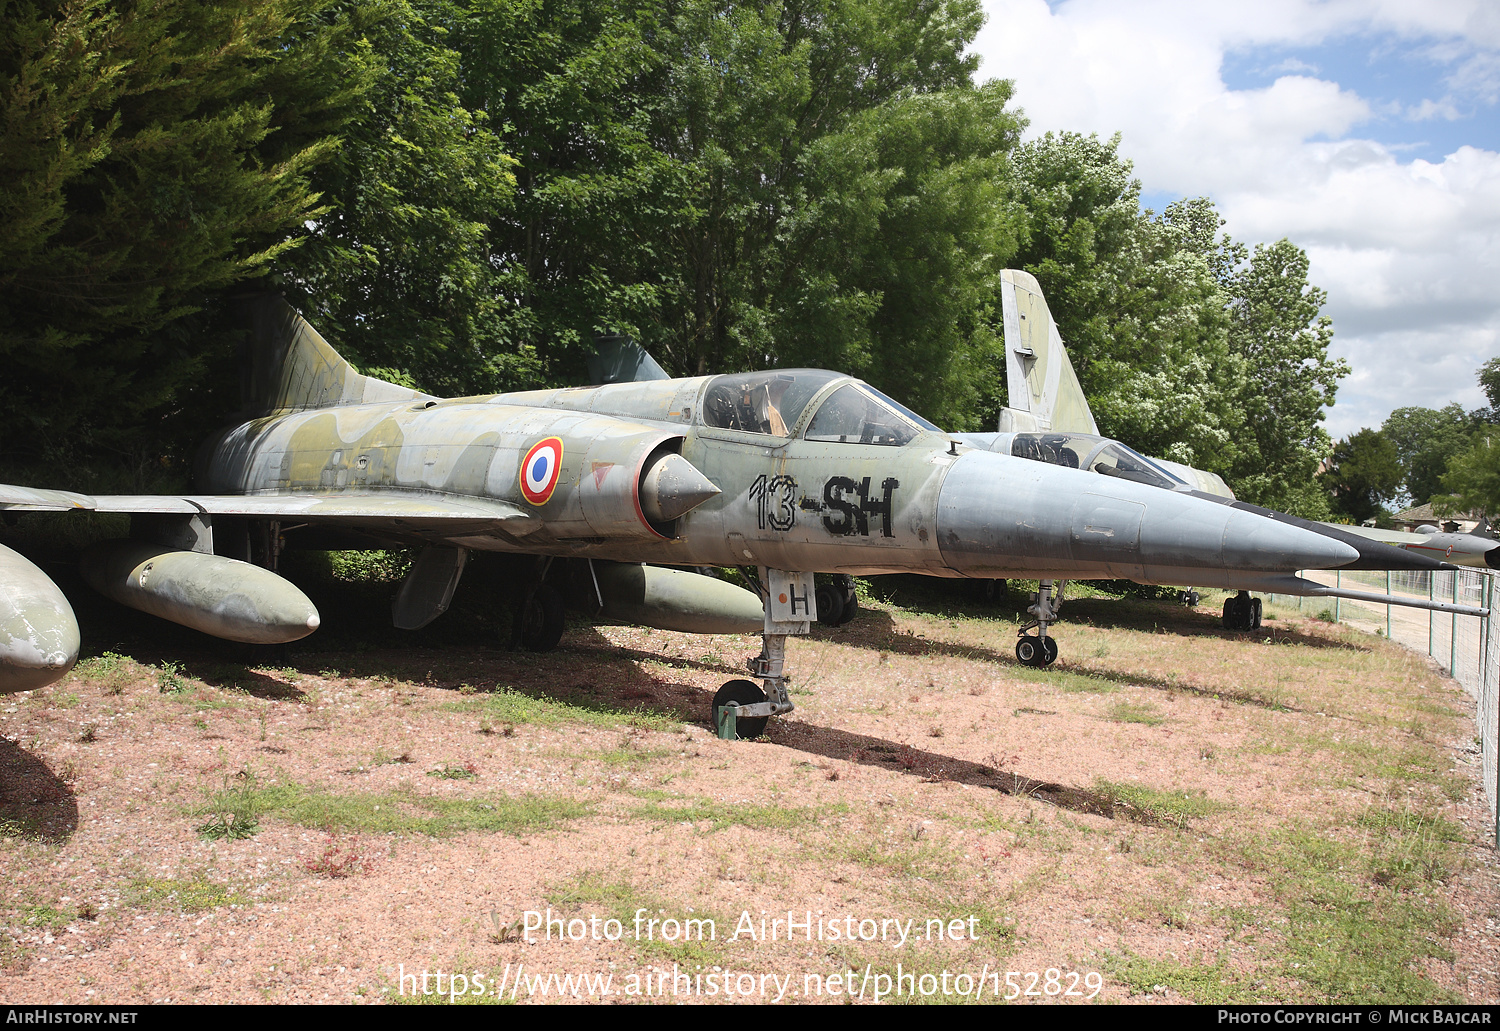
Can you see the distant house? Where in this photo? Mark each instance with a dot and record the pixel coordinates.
(1459, 522)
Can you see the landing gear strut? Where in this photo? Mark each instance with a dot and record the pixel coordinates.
(741, 709)
(539, 618)
(1038, 649)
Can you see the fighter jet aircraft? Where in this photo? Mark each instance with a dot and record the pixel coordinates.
(1475, 548)
(783, 473)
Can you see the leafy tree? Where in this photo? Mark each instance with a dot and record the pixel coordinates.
(1139, 299)
(1363, 472)
(152, 154)
(1473, 478)
(1283, 341)
(1425, 440)
(1489, 379)
(400, 268)
(743, 185)
(927, 249)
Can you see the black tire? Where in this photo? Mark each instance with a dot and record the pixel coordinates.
(1028, 651)
(542, 622)
(1049, 651)
(1231, 613)
(741, 692)
(830, 605)
(993, 591)
(851, 608)
(1241, 613)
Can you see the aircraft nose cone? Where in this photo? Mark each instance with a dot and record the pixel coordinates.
(672, 487)
(1000, 515)
(1254, 542)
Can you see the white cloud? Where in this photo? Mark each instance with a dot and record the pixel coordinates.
(1408, 249)
(1294, 65)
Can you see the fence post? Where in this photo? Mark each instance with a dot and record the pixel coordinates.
(1453, 634)
(1338, 581)
(1431, 616)
(1388, 605)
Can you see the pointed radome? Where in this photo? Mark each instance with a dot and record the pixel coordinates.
(672, 487)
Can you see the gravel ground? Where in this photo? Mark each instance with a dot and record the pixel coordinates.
(1172, 813)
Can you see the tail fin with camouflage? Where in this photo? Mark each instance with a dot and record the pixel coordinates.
(290, 368)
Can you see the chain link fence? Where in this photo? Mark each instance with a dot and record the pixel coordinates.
(1461, 644)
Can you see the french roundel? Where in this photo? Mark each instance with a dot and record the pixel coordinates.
(540, 469)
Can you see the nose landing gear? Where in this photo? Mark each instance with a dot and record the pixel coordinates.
(1038, 650)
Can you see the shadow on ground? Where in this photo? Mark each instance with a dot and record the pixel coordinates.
(34, 800)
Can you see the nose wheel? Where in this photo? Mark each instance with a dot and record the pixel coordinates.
(1038, 652)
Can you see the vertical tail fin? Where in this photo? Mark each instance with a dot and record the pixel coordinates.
(1042, 389)
(288, 367)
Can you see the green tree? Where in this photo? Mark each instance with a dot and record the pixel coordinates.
(1425, 440)
(153, 154)
(1139, 299)
(1473, 478)
(1489, 379)
(400, 269)
(1362, 474)
(743, 185)
(1278, 332)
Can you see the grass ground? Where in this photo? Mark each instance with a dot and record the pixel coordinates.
(1172, 813)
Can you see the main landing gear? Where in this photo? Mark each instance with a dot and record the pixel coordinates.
(1039, 650)
(741, 707)
(1242, 612)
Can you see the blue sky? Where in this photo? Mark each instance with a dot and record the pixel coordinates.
(1365, 131)
(1417, 112)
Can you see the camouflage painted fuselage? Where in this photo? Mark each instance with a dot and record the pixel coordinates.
(928, 505)
(786, 502)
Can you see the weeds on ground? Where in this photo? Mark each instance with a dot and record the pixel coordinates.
(652, 925)
(1130, 712)
(169, 679)
(720, 815)
(1149, 805)
(410, 813)
(109, 670)
(1197, 981)
(233, 813)
(337, 860)
(455, 771)
(189, 894)
(506, 706)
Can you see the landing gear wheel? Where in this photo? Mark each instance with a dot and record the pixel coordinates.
(993, 591)
(741, 692)
(1027, 651)
(845, 583)
(1036, 652)
(851, 608)
(1190, 598)
(1241, 612)
(830, 605)
(542, 622)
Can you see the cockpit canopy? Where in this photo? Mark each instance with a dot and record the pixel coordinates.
(773, 403)
(1098, 454)
(762, 402)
